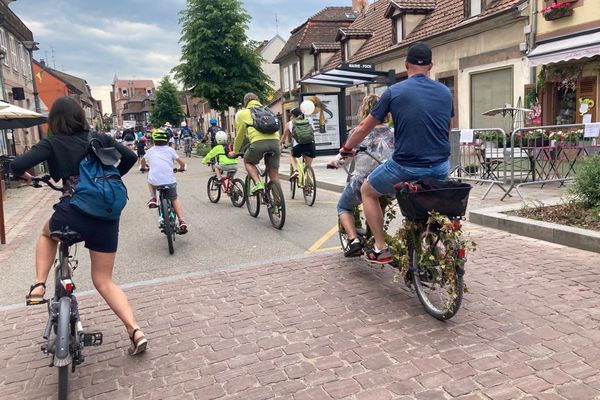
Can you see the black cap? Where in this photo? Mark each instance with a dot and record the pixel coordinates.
(419, 54)
(296, 112)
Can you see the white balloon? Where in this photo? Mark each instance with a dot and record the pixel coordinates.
(307, 107)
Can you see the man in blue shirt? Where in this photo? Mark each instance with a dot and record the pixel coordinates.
(421, 109)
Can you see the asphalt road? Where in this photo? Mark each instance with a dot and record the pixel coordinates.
(219, 235)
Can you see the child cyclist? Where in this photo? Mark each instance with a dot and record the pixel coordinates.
(224, 163)
(379, 143)
(160, 158)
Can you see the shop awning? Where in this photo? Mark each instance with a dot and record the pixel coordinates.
(344, 78)
(573, 48)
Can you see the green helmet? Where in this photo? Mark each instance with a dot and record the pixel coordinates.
(159, 135)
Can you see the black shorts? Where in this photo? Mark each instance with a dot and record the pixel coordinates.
(98, 235)
(308, 149)
(170, 192)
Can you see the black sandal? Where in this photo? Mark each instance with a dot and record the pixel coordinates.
(34, 300)
(139, 344)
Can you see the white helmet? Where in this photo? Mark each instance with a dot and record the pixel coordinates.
(221, 137)
(183, 124)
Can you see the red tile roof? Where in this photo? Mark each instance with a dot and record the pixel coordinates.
(447, 15)
(321, 27)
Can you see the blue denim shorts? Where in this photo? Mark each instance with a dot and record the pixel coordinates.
(384, 177)
(349, 200)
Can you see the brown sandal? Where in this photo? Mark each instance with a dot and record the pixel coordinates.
(139, 344)
(35, 299)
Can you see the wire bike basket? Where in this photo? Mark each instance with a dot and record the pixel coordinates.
(417, 199)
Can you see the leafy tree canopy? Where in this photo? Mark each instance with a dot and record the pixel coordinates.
(167, 107)
(218, 62)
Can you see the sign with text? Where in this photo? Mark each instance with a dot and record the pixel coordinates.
(359, 66)
(325, 120)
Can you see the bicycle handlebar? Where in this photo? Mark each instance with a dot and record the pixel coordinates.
(36, 182)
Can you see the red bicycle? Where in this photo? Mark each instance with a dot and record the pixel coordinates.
(232, 187)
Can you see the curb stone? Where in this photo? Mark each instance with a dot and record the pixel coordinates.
(496, 217)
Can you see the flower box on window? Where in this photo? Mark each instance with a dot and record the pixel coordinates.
(557, 10)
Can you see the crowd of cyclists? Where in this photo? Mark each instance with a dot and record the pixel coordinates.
(407, 127)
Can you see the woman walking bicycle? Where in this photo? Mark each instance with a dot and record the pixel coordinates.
(63, 152)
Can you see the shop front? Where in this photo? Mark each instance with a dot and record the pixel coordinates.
(568, 80)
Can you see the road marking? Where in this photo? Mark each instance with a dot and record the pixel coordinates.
(317, 245)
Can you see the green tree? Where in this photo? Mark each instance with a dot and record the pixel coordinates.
(218, 62)
(107, 121)
(167, 107)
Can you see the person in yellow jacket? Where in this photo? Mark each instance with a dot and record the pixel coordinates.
(260, 143)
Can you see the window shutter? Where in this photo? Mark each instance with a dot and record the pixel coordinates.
(587, 92)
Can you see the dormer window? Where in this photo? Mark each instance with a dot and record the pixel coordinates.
(352, 40)
(406, 15)
(474, 7)
(398, 28)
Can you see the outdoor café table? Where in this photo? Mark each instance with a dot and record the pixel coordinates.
(557, 161)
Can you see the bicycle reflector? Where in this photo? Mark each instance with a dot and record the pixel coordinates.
(68, 285)
(462, 253)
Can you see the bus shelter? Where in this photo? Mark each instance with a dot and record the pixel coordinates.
(329, 117)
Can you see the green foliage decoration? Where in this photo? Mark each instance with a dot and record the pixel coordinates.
(587, 182)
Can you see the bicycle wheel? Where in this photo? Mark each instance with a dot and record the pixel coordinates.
(436, 285)
(275, 204)
(310, 186)
(213, 189)
(62, 357)
(237, 192)
(168, 224)
(252, 201)
(293, 182)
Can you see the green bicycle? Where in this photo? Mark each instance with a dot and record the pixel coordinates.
(271, 197)
(305, 180)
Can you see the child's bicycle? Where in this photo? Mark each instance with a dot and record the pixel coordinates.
(305, 180)
(271, 196)
(167, 219)
(69, 339)
(431, 254)
(232, 187)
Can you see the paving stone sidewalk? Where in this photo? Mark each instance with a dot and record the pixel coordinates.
(324, 327)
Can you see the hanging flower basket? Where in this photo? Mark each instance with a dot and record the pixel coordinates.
(557, 10)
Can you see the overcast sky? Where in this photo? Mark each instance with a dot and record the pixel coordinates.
(137, 39)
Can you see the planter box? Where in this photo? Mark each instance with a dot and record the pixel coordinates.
(558, 13)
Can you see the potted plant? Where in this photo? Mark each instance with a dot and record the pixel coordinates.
(472, 169)
(557, 10)
(490, 139)
(534, 138)
(567, 138)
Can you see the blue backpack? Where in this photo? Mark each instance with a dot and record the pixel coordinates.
(100, 192)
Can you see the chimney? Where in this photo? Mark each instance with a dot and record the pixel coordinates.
(360, 6)
(43, 63)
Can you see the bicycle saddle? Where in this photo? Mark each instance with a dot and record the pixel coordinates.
(66, 236)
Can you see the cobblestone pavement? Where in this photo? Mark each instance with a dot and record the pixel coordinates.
(323, 327)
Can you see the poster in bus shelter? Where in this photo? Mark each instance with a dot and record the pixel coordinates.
(325, 120)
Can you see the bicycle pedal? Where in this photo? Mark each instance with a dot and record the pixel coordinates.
(92, 339)
(36, 302)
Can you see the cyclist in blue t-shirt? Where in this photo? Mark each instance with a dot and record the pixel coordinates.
(421, 109)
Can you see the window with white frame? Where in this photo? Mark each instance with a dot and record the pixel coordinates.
(286, 78)
(398, 28)
(298, 77)
(22, 56)
(294, 74)
(13, 53)
(473, 7)
(4, 46)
